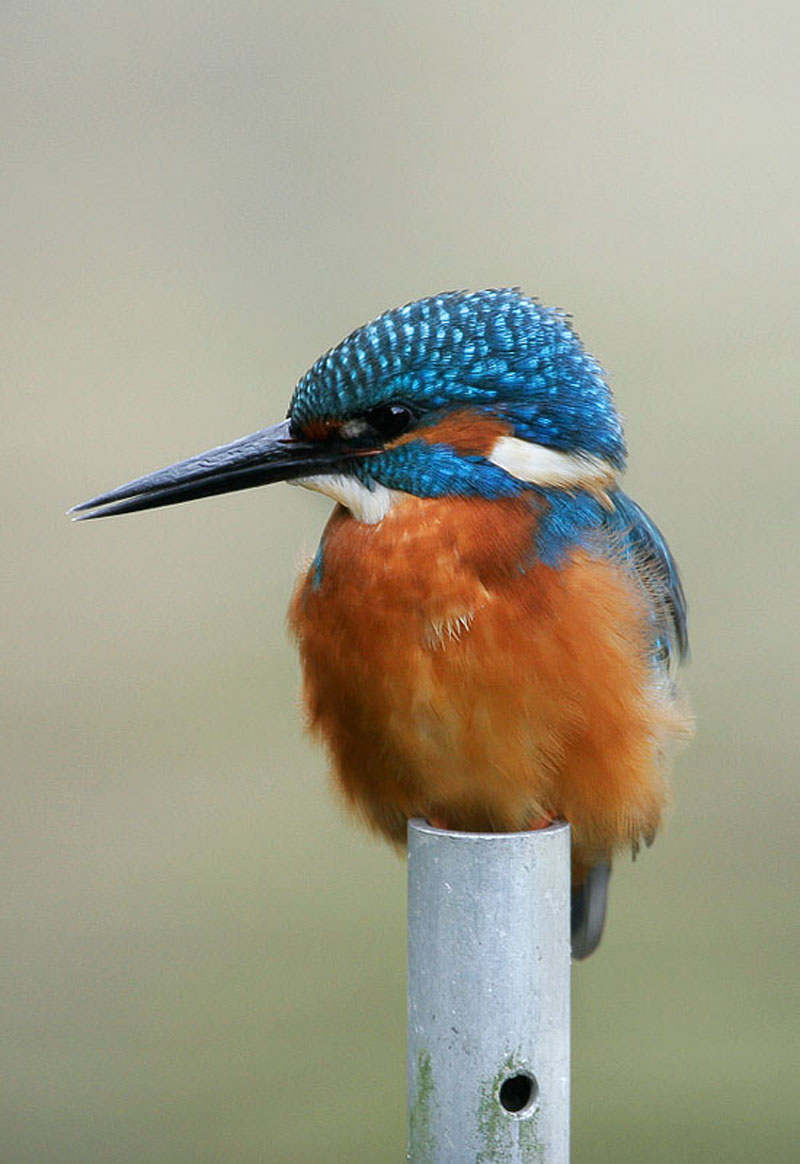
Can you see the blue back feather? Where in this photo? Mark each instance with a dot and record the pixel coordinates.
(645, 548)
(580, 519)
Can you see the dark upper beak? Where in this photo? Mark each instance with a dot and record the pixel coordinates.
(273, 454)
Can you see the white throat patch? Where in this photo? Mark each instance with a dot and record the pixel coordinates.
(539, 465)
(365, 504)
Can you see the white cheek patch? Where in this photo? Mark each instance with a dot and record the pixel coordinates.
(539, 465)
(367, 505)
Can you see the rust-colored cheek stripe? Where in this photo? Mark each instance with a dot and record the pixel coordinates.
(320, 430)
(463, 431)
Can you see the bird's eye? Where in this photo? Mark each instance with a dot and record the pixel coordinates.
(389, 420)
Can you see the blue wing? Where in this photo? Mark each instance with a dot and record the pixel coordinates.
(643, 548)
(576, 519)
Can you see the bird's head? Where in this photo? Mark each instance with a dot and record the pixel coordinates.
(481, 393)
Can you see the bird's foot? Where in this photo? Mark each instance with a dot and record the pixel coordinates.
(437, 822)
(540, 822)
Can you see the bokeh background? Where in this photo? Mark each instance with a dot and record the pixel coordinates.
(201, 959)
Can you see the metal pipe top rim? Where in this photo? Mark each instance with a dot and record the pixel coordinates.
(419, 825)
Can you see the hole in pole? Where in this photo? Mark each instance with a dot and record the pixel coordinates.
(518, 1093)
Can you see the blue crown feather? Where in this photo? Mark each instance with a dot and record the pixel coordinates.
(494, 349)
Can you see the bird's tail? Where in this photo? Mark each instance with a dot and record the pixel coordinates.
(588, 914)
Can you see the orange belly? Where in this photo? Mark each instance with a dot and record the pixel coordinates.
(452, 677)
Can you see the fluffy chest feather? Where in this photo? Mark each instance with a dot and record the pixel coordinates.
(453, 675)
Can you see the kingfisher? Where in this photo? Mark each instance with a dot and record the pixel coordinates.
(490, 628)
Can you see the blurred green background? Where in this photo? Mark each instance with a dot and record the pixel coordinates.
(202, 960)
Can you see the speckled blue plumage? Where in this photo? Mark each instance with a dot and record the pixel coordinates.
(493, 349)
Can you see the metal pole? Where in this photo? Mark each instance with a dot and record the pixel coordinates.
(488, 996)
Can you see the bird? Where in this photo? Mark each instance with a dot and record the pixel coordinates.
(490, 629)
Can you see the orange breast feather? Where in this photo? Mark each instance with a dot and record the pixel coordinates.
(452, 677)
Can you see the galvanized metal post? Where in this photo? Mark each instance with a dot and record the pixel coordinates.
(488, 996)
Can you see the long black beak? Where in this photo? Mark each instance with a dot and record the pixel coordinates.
(273, 454)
